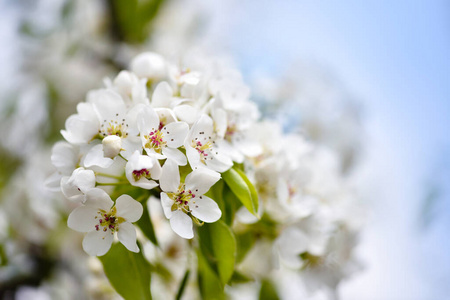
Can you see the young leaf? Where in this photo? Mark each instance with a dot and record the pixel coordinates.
(251, 187)
(218, 245)
(208, 283)
(241, 189)
(146, 225)
(128, 272)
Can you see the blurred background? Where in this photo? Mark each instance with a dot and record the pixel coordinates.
(385, 63)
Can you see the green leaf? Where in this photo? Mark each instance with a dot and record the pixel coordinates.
(208, 283)
(146, 225)
(239, 278)
(182, 285)
(244, 190)
(245, 242)
(268, 291)
(252, 189)
(128, 272)
(218, 245)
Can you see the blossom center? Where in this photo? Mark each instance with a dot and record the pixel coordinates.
(182, 199)
(155, 140)
(108, 220)
(202, 149)
(138, 174)
(114, 127)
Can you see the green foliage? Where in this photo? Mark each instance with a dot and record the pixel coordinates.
(245, 242)
(128, 272)
(182, 285)
(268, 291)
(218, 246)
(209, 284)
(146, 225)
(241, 186)
(131, 19)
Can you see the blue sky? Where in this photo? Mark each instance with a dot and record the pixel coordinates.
(394, 57)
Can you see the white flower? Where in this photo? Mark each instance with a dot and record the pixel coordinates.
(149, 65)
(162, 140)
(76, 186)
(140, 168)
(181, 201)
(101, 218)
(201, 147)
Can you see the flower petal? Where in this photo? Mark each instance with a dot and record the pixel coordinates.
(95, 157)
(170, 177)
(175, 133)
(128, 208)
(206, 209)
(147, 120)
(127, 236)
(162, 95)
(97, 243)
(176, 155)
(166, 204)
(182, 224)
(83, 219)
(201, 180)
(98, 198)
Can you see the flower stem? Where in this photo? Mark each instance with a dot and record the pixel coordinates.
(123, 157)
(112, 183)
(108, 175)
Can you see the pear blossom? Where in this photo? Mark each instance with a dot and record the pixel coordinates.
(101, 219)
(202, 149)
(162, 140)
(183, 202)
(149, 65)
(76, 186)
(140, 168)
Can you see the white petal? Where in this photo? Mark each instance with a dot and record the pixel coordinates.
(98, 198)
(166, 204)
(127, 236)
(107, 104)
(202, 128)
(186, 113)
(220, 162)
(182, 224)
(170, 177)
(64, 157)
(162, 95)
(205, 208)
(95, 157)
(201, 180)
(166, 115)
(147, 120)
(128, 208)
(176, 155)
(144, 183)
(193, 156)
(97, 243)
(79, 130)
(85, 179)
(150, 65)
(83, 219)
(175, 133)
(220, 122)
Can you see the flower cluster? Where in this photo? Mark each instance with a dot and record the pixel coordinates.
(189, 135)
(139, 130)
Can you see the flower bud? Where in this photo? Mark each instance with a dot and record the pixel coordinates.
(112, 144)
(149, 65)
